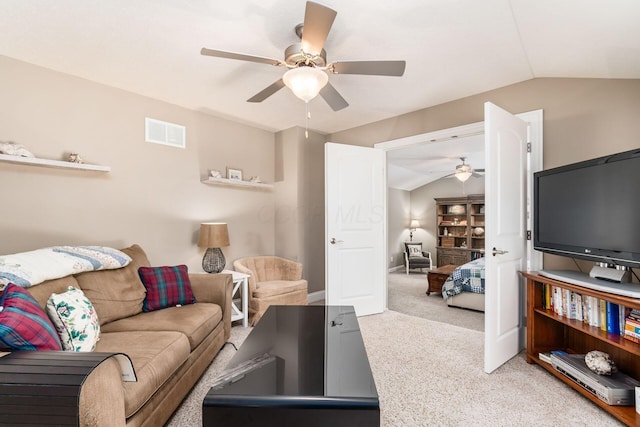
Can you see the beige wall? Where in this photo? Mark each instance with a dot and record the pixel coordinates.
(583, 119)
(398, 217)
(311, 202)
(153, 195)
(287, 235)
(299, 220)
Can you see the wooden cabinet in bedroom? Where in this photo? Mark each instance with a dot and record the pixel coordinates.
(452, 256)
(460, 229)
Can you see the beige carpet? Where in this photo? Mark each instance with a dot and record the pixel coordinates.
(430, 374)
(407, 294)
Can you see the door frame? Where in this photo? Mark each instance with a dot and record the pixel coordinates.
(534, 163)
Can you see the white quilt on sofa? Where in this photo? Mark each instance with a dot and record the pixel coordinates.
(31, 268)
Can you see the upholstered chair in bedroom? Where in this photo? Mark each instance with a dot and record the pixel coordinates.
(272, 281)
(415, 257)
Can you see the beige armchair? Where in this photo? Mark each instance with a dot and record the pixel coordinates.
(272, 281)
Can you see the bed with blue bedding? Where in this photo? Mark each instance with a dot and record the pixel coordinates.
(465, 286)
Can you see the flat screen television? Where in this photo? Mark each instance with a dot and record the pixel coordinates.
(590, 210)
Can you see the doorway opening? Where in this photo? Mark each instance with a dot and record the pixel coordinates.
(420, 169)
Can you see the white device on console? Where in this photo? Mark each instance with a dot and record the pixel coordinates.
(604, 272)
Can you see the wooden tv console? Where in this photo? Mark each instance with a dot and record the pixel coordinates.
(547, 331)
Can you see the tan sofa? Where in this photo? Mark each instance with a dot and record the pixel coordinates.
(272, 281)
(170, 348)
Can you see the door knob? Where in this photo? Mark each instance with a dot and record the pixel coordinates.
(498, 252)
(333, 241)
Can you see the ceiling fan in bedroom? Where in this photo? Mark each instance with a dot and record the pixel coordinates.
(306, 61)
(464, 171)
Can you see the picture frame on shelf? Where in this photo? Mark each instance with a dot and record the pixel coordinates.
(234, 174)
(457, 209)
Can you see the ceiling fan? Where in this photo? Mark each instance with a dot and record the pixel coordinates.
(464, 171)
(307, 62)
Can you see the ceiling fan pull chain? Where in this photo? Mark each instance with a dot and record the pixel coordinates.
(306, 120)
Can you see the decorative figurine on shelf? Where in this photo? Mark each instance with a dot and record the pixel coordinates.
(600, 363)
(214, 173)
(255, 179)
(446, 232)
(463, 245)
(478, 231)
(14, 149)
(75, 158)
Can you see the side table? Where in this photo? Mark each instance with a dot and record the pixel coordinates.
(239, 294)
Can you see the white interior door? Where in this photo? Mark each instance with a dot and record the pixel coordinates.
(355, 204)
(505, 239)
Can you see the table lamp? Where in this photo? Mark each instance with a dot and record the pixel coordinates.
(213, 236)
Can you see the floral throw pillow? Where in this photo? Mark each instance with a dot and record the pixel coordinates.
(23, 323)
(75, 320)
(166, 287)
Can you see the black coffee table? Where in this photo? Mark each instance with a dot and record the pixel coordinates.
(300, 366)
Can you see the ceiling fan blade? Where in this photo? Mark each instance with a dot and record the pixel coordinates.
(333, 98)
(479, 170)
(372, 68)
(318, 20)
(240, 56)
(267, 92)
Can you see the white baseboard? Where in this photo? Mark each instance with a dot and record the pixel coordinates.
(315, 296)
(396, 268)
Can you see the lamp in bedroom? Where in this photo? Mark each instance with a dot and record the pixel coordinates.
(213, 236)
(412, 227)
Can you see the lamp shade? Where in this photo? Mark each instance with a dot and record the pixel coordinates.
(213, 235)
(305, 82)
(414, 224)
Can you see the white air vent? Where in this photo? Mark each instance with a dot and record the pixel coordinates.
(165, 133)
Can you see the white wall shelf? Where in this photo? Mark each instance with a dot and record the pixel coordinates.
(34, 161)
(234, 183)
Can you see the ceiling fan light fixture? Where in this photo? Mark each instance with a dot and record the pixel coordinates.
(463, 175)
(305, 82)
(463, 171)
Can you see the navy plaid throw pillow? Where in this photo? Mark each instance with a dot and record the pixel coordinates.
(166, 287)
(23, 323)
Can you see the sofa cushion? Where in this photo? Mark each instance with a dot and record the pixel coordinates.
(155, 357)
(166, 287)
(43, 291)
(75, 320)
(278, 287)
(23, 323)
(196, 321)
(116, 294)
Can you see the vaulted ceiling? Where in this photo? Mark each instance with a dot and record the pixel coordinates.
(453, 49)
